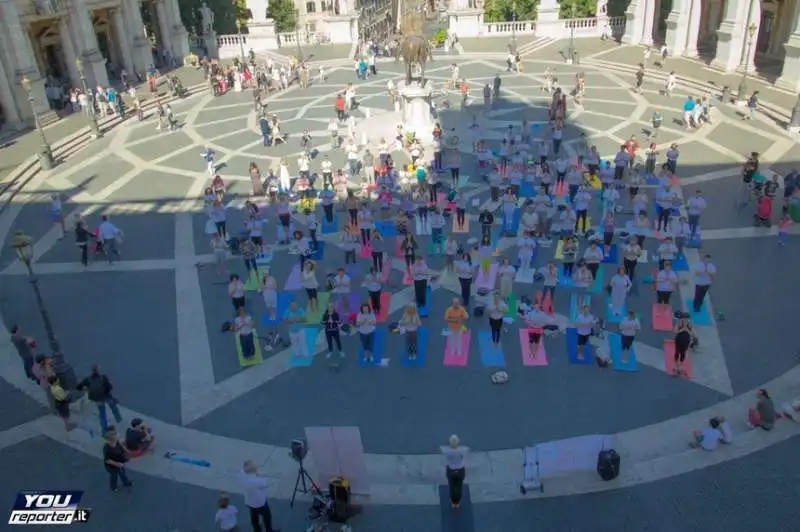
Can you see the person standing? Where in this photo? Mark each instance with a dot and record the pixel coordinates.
(704, 274)
(455, 456)
(466, 273)
(366, 322)
(620, 286)
(507, 274)
(409, 324)
(24, 345)
(455, 316)
(628, 327)
(332, 323)
(236, 292)
(82, 239)
(630, 257)
(419, 274)
(593, 256)
(114, 459)
(694, 208)
(245, 333)
(496, 310)
(109, 234)
(584, 323)
(666, 282)
(372, 282)
(226, 516)
(379, 247)
(254, 489)
(308, 280)
(295, 317)
(683, 340)
(98, 388)
(341, 288)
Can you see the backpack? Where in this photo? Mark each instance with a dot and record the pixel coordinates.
(608, 464)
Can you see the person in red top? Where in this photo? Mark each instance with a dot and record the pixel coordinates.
(340, 106)
(632, 146)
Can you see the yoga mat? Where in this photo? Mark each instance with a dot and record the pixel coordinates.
(407, 280)
(441, 199)
(386, 228)
(460, 230)
(662, 318)
(255, 360)
(457, 361)
(420, 229)
(424, 311)
(319, 253)
(366, 251)
(293, 281)
(560, 250)
(512, 307)
(612, 254)
(547, 303)
(353, 301)
(313, 318)
(583, 227)
(328, 228)
(669, 359)
(284, 300)
(615, 346)
(680, 264)
(309, 336)
(436, 249)
(398, 247)
(456, 519)
(572, 349)
(541, 356)
(573, 307)
(491, 356)
(599, 282)
(487, 281)
(561, 188)
(527, 190)
(702, 318)
(253, 284)
(353, 270)
(615, 318)
(422, 341)
(525, 275)
(377, 349)
(174, 456)
(512, 226)
(386, 300)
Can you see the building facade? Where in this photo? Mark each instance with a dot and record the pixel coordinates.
(42, 40)
(328, 20)
(731, 33)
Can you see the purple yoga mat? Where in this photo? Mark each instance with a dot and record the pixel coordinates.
(293, 281)
(354, 300)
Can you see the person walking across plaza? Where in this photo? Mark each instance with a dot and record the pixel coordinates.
(456, 458)
(254, 489)
(98, 388)
(114, 457)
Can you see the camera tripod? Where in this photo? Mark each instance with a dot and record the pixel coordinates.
(304, 484)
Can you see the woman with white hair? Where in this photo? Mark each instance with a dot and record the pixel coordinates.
(455, 456)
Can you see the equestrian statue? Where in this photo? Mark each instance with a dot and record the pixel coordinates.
(414, 48)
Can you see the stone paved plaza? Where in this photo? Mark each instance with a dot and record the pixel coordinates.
(152, 322)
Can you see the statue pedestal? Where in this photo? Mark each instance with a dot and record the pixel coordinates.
(415, 109)
(465, 22)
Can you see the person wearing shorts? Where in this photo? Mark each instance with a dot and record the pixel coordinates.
(536, 319)
(683, 339)
(584, 323)
(628, 327)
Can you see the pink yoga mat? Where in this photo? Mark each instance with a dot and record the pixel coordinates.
(457, 361)
(662, 317)
(487, 281)
(407, 280)
(293, 281)
(387, 269)
(366, 252)
(541, 357)
(398, 247)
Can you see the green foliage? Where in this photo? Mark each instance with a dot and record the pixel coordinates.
(439, 37)
(284, 14)
(504, 10)
(617, 8)
(582, 8)
(190, 15)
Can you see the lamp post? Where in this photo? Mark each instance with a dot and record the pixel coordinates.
(241, 40)
(96, 132)
(751, 31)
(514, 27)
(45, 154)
(571, 53)
(297, 37)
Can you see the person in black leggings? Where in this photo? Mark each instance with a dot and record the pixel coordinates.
(496, 310)
(466, 273)
(683, 340)
(332, 322)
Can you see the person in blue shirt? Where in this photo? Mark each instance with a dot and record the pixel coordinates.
(295, 318)
(688, 112)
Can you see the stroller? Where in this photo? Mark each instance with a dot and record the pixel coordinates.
(763, 212)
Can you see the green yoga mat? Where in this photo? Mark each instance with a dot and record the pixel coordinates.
(313, 318)
(255, 360)
(512, 307)
(253, 283)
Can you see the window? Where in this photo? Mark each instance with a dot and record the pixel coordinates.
(311, 7)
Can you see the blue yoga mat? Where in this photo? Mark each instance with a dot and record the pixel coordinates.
(615, 346)
(573, 307)
(702, 318)
(610, 316)
(424, 311)
(328, 228)
(459, 519)
(572, 349)
(386, 228)
(318, 253)
(379, 342)
(612, 254)
(599, 282)
(491, 357)
(527, 190)
(310, 335)
(176, 457)
(284, 300)
(353, 270)
(513, 224)
(680, 264)
(422, 342)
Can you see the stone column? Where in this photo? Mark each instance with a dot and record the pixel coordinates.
(24, 59)
(179, 37)
(163, 25)
(695, 16)
(547, 24)
(94, 64)
(678, 27)
(790, 75)
(731, 35)
(124, 41)
(753, 17)
(142, 55)
(647, 24)
(70, 56)
(13, 118)
(634, 22)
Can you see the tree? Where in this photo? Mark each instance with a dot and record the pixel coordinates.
(583, 8)
(284, 14)
(505, 10)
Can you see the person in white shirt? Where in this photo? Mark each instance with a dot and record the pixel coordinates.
(593, 256)
(254, 226)
(341, 287)
(496, 310)
(710, 437)
(526, 246)
(245, 332)
(372, 282)
(666, 283)
(108, 234)
(620, 286)
(419, 274)
(254, 489)
(628, 329)
(704, 274)
(456, 458)
(365, 322)
(536, 319)
(550, 275)
(226, 516)
(584, 323)
(695, 206)
(506, 273)
(667, 251)
(621, 160)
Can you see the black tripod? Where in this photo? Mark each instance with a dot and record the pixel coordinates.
(304, 484)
